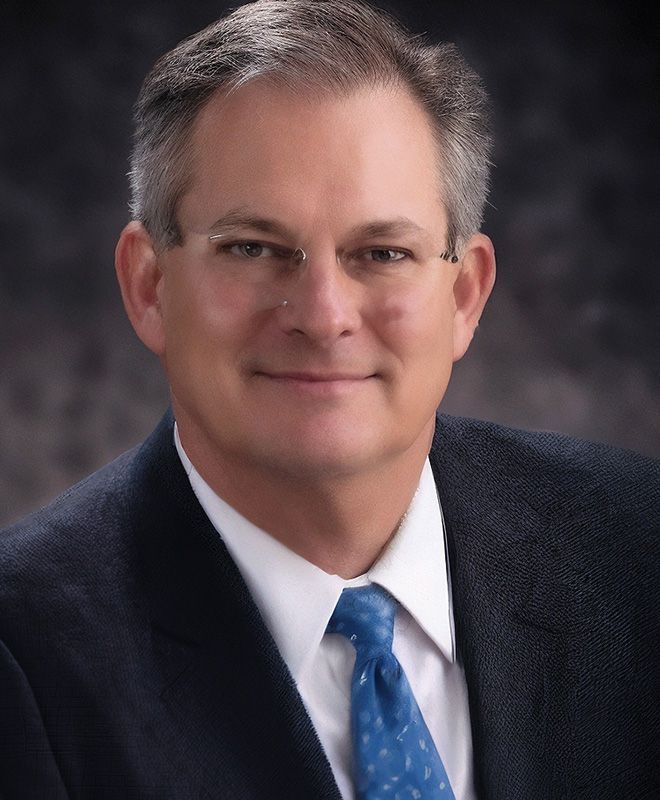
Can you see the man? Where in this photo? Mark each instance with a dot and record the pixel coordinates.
(305, 260)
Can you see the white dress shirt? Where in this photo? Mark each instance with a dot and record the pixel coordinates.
(296, 600)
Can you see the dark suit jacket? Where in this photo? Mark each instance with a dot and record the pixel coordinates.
(134, 663)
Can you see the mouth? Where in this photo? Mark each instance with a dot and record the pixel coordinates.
(317, 383)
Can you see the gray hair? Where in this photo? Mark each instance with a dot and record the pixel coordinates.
(334, 46)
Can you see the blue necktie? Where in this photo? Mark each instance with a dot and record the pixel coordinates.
(394, 755)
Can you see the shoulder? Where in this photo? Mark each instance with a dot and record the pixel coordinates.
(551, 462)
(54, 557)
(78, 554)
(76, 514)
(544, 444)
(585, 516)
(584, 497)
(99, 502)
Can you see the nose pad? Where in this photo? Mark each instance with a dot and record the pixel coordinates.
(317, 299)
(299, 256)
(277, 295)
(274, 293)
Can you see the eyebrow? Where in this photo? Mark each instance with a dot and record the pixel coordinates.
(242, 218)
(390, 227)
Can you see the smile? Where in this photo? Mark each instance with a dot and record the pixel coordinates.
(316, 384)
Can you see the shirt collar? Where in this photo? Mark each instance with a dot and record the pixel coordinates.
(414, 567)
(296, 598)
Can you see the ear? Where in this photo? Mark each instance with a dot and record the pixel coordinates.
(140, 279)
(471, 290)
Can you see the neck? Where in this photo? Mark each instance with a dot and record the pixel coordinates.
(340, 524)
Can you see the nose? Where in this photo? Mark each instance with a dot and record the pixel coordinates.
(322, 301)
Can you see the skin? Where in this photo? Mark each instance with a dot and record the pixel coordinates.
(312, 419)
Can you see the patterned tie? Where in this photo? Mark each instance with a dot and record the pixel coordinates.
(394, 755)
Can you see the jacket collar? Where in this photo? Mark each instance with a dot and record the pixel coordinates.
(510, 607)
(221, 677)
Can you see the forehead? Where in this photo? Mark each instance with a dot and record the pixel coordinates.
(371, 153)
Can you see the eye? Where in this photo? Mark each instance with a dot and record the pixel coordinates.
(386, 256)
(251, 250)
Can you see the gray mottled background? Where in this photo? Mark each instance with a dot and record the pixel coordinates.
(570, 341)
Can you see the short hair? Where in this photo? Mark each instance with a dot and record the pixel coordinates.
(335, 46)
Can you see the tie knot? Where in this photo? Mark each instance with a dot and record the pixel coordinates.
(365, 616)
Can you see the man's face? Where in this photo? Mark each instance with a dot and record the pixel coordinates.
(346, 376)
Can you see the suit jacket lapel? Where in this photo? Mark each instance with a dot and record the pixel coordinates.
(510, 616)
(224, 695)
(225, 699)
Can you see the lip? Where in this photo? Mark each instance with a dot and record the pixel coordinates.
(315, 377)
(317, 383)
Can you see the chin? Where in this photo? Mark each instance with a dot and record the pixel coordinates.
(312, 467)
(326, 456)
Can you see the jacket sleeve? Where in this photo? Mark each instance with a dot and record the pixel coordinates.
(28, 768)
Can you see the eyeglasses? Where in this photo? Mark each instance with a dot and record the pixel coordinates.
(263, 261)
(382, 257)
(297, 256)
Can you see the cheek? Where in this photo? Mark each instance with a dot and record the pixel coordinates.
(205, 310)
(416, 327)
(208, 325)
(418, 321)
